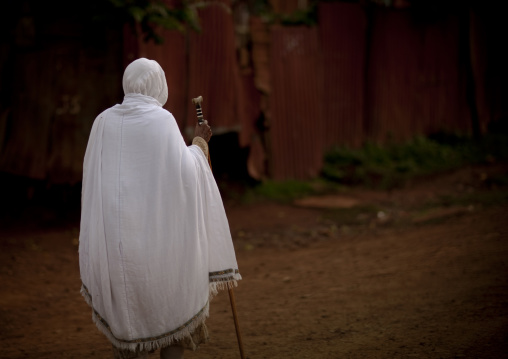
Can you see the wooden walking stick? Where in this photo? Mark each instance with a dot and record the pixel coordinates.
(197, 102)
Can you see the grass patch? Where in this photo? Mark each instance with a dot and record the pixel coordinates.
(389, 166)
(283, 191)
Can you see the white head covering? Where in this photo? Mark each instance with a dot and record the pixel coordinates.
(146, 77)
(154, 240)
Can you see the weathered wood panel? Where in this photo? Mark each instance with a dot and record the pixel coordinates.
(414, 78)
(60, 82)
(342, 31)
(296, 120)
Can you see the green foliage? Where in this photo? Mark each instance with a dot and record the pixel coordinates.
(391, 165)
(154, 14)
(279, 191)
(307, 17)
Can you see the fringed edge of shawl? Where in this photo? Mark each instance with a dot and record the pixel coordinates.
(223, 280)
(148, 344)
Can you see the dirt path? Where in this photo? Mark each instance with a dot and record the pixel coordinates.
(393, 278)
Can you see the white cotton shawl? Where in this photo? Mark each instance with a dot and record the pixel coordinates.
(154, 242)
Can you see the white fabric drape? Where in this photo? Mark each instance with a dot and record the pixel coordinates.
(154, 238)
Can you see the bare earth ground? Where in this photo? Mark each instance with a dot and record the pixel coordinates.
(420, 272)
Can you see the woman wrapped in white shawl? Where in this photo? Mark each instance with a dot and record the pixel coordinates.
(154, 242)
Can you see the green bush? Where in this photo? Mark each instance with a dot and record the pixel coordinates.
(386, 166)
(279, 191)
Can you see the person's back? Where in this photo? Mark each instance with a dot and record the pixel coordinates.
(145, 258)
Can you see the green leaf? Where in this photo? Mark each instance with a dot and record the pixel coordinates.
(137, 13)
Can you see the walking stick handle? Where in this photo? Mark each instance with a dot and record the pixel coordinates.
(197, 102)
(199, 111)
